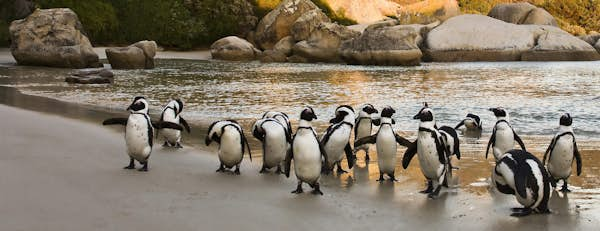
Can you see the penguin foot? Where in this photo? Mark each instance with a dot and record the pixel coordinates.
(341, 171)
(380, 177)
(263, 170)
(278, 171)
(521, 213)
(131, 164)
(166, 144)
(429, 189)
(393, 179)
(178, 145)
(221, 169)
(298, 189)
(144, 168)
(316, 189)
(434, 194)
(237, 171)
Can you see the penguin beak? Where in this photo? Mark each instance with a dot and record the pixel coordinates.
(417, 116)
(492, 109)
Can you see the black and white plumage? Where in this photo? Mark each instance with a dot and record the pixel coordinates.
(232, 144)
(385, 140)
(172, 113)
(520, 173)
(471, 122)
(281, 117)
(275, 141)
(432, 154)
(139, 132)
(450, 138)
(336, 140)
(561, 152)
(307, 153)
(363, 127)
(503, 136)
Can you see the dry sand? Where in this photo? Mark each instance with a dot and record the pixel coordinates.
(66, 174)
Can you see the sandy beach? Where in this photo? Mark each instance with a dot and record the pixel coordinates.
(66, 174)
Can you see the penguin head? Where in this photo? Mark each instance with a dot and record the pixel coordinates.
(387, 112)
(369, 109)
(566, 120)
(139, 104)
(425, 114)
(341, 112)
(498, 112)
(180, 105)
(308, 114)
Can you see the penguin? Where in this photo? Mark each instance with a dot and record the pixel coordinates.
(139, 132)
(281, 117)
(172, 113)
(232, 144)
(275, 140)
(363, 127)
(336, 139)
(307, 153)
(561, 152)
(520, 173)
(471, 122)
(451, 141)
(385, 140)
(432, 153)
(503, 136)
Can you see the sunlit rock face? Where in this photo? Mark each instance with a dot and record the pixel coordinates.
(522, 13)
(233, 48)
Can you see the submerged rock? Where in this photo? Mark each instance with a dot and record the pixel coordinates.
(522, 13)
(100, 76)
(324, 42)
(277, 24)
(52, 37)
(234, 49)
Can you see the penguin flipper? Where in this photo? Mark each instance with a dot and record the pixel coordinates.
(549, 150)
(402, 141)
(245, 141)
(185, 124)
(577, 157)
(491, 142)
(409, 154)
(460, 124)
(115, 121)
(441, 149)
(164, 124)
(259, 133)
(518, 139)
(366, 140)
(288, 160)
(350, 157)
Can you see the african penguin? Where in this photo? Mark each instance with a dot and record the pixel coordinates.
(363, 127)
(307, 153)
(275, 140)
(432, 154)
(452, 144)
(172, 113)
(520, 173)
(471, 122)
(281, 117)
(503, 136)
(139, 132)
(232, 144)
(561, 152)
(385, 140)
(336, 140)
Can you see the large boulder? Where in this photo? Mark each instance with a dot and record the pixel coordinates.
(482, 38)
(597, 46)
(386, 45)
(428, 11)
(149, 49)
(234, 49)
(130, 57)
(522, 13)
(591, 39)
(51, 37)
(277, 23)
(302, 27)
(285, 45)
(324, 42)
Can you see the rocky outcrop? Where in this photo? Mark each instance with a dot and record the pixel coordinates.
(364, 11)
(597, 46)
(285, 45)
(51, 37)
(428, 11)
(386, 45)
(522, 13)
(590, 39)
(481, 38)
(234, 49)
(273, 56)
(99, 76)
(139, 55)
(304, 25)
(277, 24)
(323, 43)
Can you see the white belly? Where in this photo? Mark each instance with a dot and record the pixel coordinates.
(561, 158)
(307, 157)
(275, 148)
(505, 141)
(336, 144)
(230, 150)
(136, 137)
(386, 150)
(428, 157)
(363, 130)
(171, 135)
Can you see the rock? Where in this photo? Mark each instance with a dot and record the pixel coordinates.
(391, 45)
(130, 57)
(285, 45)
(234, 49)
(297, 59)
(273, 56)
(51, 37)
(590, 39)
(597, 46)
(99, 76)
(149, 48)
(480, 38)
(277, 23)
(522, 13)
(364, 11)
(302, 27)
(323, 43)
(428, 11)
(23, 8)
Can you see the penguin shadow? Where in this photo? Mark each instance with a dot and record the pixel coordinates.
(385, 190)
(559, 202)
(361, 174)
(472, 134)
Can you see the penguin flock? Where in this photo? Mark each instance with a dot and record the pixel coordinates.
(516, 172)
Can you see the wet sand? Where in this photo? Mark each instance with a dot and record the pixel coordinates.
(61, 173)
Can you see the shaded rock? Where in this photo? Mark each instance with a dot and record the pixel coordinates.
(273, 56)
(51, 37)
(522, 13)
(590, 39)
(23, 8)
(297, 59)
(302, 28)
(277, 23)
(149, 48)
(130, 57)
(98, 76)
(234, 49)
(323, 43)
(597, 46)
(285, 45)
(554, 44)
(386, 45)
